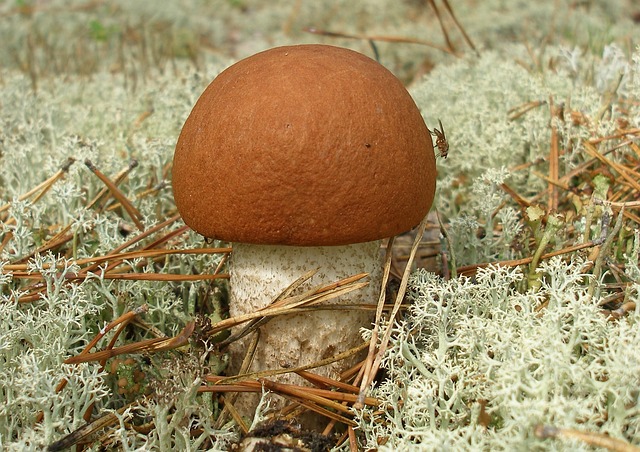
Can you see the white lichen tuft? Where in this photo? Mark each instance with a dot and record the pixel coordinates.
(473, 365)
(470, 346)
(86, 119)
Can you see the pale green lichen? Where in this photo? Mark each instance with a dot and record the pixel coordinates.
(469, 343)
(487, 142)
(466, 348)
(477, 363)
(39, 132)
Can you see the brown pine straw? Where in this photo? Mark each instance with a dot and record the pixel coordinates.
(449, 48)
(115, 259)
(235, 414)
(43, 187)
(460, 27)
(522, 202)
(520, 110)
(120, 322)
(146, 234)
(629, 175)
(5, 240)
(445, 33)
(143, 194)
(373, 38)
(552, 204)
(289, 305)
(274, 372)
(333, 404)
(615, 136)
(470, 270)
(350, 393)
(135, 276)
(146, 346)
(286, 303)
(318, 400)
(63, 236)
(119, 177)
(590, 438)
(323, 382)
(86, 431)
(229, 400)
(293, 303)
(21, 271)
(115, 191)
(372, 363)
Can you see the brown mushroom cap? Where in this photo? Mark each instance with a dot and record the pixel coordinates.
(304, 145)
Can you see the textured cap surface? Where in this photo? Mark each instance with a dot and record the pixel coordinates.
(304, 145)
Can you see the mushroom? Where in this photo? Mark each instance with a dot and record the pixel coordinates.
(304, 157)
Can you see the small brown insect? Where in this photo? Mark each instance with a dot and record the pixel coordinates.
(441, 141)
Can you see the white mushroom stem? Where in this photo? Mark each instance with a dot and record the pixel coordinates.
(259, 273)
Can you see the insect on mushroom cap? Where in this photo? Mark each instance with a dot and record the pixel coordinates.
(304, 145)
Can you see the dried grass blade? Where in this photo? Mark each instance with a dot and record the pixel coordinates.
(553, 162)
(442, 26)
(84, 432)
(469, 270)
(460, 27)
(395, 39)
(149, 345)
(285, 305)
(630, 176)
(368, 365)
(309, 394)
(324, 362)
(396, 307)
(591, 438)
(44, 186)
(115, 191)
(322, 381)
(286, 293)
(515, 196)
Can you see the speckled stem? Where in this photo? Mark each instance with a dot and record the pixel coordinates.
(259, 273)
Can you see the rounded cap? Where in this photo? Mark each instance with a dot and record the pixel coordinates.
(304, 145)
